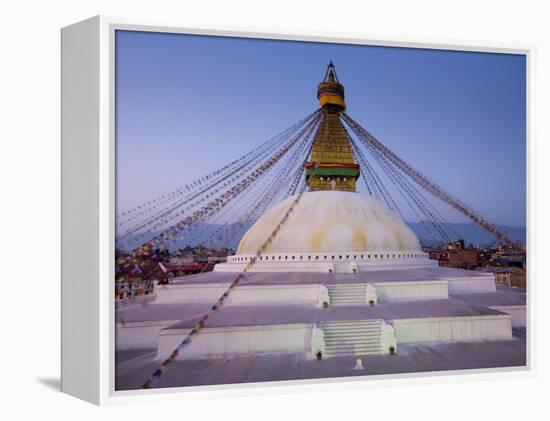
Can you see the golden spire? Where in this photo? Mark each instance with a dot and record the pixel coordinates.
(330, 92)
(332, 164)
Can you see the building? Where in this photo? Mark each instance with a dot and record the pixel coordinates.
(456, 258)
(514, 261)
(503, 275)
(172, 270)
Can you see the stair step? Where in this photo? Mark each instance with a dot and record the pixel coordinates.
(338, 286)
(375, 340)
(358, 302)
(352, 329)
(352, 335)
(350, 351)
(356, 330)
(350, 303)
(370, 336)
(337, 349)
(350, 340)
(347, 293)
(349, 329)
(339, 345)
(353, 341)
(355, 321)
(356, 348)
(350, 290)
(347, 300)
(342, 349)
(340, 290)
(350, 323)
(344, 353)
(356, 344)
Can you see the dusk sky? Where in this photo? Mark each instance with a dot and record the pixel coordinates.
(187, 105)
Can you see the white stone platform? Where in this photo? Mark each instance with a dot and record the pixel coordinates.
(132, 370)
(311, 288)
(261, 325)
(297, 337)
(283, 312)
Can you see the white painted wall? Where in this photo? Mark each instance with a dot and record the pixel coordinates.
(418, 290)
(462, 328)
(175, 294)
(244, 295)
(474, 284)
(238, 340)
(294, 294)
(518, 314)
(139, 335)
(322, 262)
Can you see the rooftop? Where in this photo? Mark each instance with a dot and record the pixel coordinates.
(187, 315)
(133, 369)
(289, 278)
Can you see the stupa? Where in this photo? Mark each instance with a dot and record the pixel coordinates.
(344, 277)
(333, 228)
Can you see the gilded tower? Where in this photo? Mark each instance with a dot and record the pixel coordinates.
(332, 164)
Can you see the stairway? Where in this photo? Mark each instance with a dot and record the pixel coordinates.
(352, 337)
(347, 294)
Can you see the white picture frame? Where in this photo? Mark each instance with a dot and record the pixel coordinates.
(88, 211)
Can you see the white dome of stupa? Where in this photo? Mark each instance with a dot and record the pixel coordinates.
(326, 221)
(330, 231)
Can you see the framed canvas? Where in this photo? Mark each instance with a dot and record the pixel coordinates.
(244, 209)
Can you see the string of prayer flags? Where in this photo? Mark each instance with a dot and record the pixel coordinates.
(156, 375)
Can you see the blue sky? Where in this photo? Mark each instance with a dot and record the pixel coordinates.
(187, 105)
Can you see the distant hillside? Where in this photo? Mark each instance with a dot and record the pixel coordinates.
(201, 234)
(470, 232)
